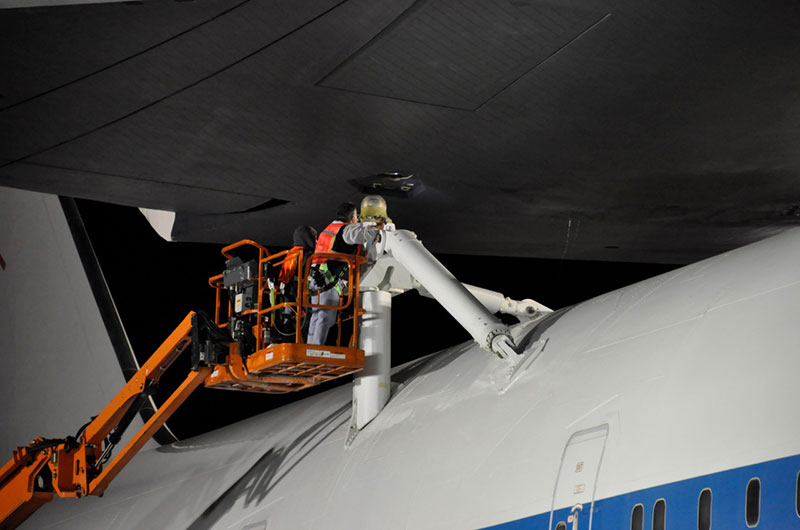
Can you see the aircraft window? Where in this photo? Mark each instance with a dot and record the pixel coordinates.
(753, 502)
(704, 510)
(797, 496)
(659, 514)
(637, 517)
(561, 526)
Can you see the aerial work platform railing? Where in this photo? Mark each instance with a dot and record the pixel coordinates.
(271, 366)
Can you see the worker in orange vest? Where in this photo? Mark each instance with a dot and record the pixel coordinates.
(344, 235)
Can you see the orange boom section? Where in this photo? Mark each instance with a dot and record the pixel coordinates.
(81, 465)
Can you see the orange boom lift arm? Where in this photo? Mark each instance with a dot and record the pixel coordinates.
(78, 465)
(223, 356)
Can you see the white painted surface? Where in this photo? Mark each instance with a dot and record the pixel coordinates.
(679, 361)
(371, 387)
(495, 302)
(162, 221)
(59, 367)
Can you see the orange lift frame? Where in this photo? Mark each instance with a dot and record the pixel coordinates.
(81, 465)
(289, 366)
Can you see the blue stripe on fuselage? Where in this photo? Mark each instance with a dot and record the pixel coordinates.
(778, 502)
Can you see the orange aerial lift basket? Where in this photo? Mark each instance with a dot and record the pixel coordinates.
(265, 304)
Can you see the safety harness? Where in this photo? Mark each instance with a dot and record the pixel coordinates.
(322, 276)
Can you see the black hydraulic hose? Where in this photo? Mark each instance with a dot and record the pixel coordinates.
(215, 333)
(116, 435)
(83, 427)
(45, 443)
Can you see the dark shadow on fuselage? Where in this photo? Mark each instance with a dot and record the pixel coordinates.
(262, 478)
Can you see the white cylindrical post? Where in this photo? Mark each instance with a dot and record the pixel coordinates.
(372, 386)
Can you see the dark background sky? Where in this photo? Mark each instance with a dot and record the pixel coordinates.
(155, 283)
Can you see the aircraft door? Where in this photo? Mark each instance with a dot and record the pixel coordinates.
(573, 495)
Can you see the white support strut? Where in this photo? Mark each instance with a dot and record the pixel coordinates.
(495, 302)
(491, 334)
(372, 387)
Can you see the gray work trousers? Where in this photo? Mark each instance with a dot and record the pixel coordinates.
(322, 319)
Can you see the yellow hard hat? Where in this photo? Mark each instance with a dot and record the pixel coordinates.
(373, 207)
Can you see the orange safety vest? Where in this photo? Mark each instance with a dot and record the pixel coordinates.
(325, 243)
(325, 240)
(289, 265)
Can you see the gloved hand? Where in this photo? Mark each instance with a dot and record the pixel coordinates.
(318, 277)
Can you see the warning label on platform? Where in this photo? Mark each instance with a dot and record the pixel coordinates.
(324, 353)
